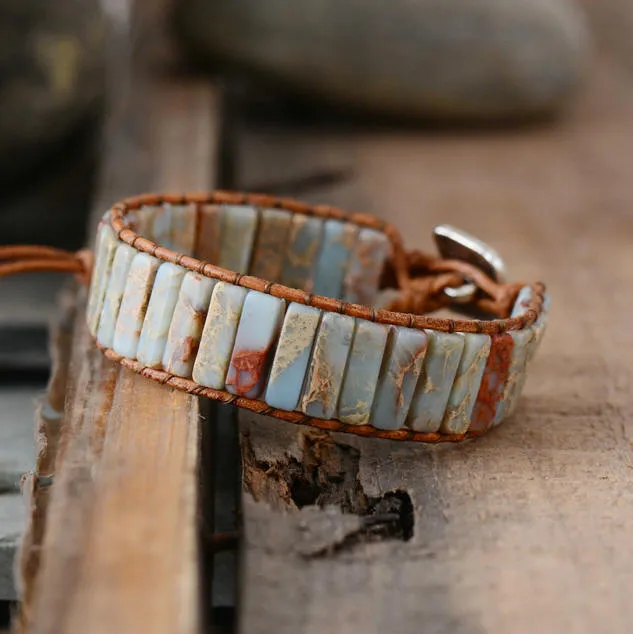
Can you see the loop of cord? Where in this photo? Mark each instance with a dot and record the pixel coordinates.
(25, 258)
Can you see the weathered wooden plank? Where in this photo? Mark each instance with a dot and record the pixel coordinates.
(527, 529)
(120, 550)
(48, 420)
(17, 449)
(138, 565)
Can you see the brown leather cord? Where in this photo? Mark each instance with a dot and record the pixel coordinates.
(26, 258)
(420, 279)
(18, 251)
(425, 279)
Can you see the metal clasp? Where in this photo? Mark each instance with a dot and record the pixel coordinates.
(455, 244)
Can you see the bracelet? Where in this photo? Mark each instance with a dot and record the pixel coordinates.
(312, 315)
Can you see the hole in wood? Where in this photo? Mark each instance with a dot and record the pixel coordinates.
(6, 609)
(327, 475)
(224, 619)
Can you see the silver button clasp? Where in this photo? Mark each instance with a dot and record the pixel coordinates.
(455, 244)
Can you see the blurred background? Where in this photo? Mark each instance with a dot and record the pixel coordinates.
(433, 63)
(298, 69)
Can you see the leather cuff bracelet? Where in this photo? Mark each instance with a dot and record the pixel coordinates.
(312, 315)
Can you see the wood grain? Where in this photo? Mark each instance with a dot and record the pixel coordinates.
(120, 551)
(525, 530)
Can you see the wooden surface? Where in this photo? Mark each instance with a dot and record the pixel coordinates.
(120, 548)
(37, 480)
(525, 530)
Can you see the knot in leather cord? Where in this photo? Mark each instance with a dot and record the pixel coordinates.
(423, 279)
(25, 258)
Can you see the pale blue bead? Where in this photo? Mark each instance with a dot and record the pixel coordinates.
(434, 387)
(134, 304)
(159, 224)
(338, 241)
(271, 244)
(327, 367)
(187, 323)
(365, 267)
(303, 248)
(516, 374)
(105, 247)
(255, 341)
(183, 228)
(292, 356)
(238, 224)
(140, 220)
(218, 336)
(114, 293)
(401, 369)
(539, 327)
(537, 330)
(522, 301)
(363, 370)
(463, 396)
(160, 311)
(171, 226)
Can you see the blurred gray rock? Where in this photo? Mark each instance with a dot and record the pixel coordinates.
(428, 59)
(51, 77)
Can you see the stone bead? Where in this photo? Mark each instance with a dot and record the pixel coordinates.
(186, 325)
(327, 368)
(400, 372)
(160, 224)
(238, 225)
(183, 228)
(255, 341)
(160, 311)
(114, 293)
(134, 304)
(218, 335)
(492, 382)
(463, 395)
(516, 374)
(522, 302)
(434, 387)
(537, 330)
(303, 247)
(338, 241)
(271, 244)
(517, 371)
(140, 220)
(105, 248)
(174, 227)
(208, 234)
(363, 370)
(292, 356)
(365, 267)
